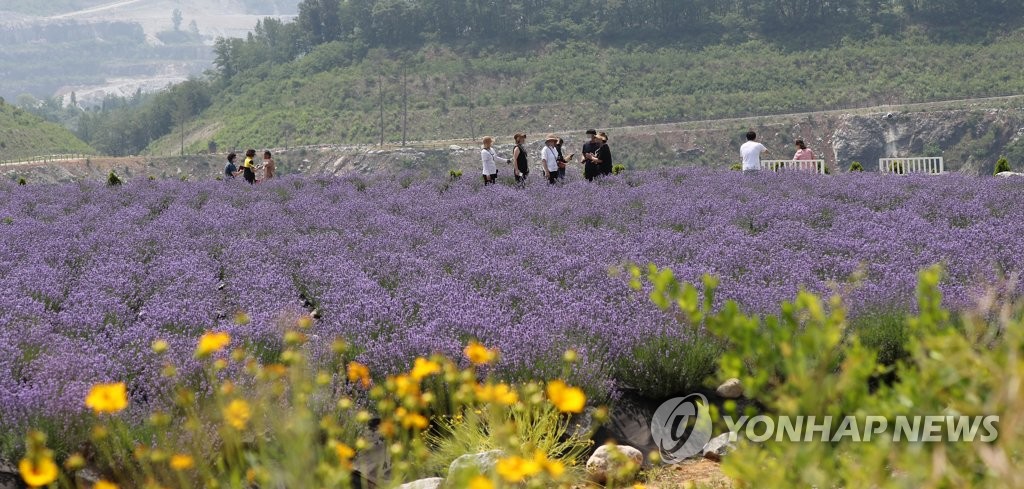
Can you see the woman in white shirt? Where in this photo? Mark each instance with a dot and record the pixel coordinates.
(549, 156)
(489, 157)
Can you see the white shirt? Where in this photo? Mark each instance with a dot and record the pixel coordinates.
(751, 151)
(489, 157)
(550, 157)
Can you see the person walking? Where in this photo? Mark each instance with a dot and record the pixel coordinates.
(249, 167)
(269, 168)
(230, 170)
(522, 163)
(549, 155)
(590, 168)
(489, 157)
(751, 152)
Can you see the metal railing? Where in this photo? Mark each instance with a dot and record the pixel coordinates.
(814, 166)
(903, 166)
(43, 159)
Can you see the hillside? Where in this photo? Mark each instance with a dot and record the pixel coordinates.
(320, 99)
(25, 135)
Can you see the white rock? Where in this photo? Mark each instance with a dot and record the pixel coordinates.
(718, 447)
(474, 464)
(1009, 174)
(432, 483)
(455, 147)
(610, 459)
(731, 389)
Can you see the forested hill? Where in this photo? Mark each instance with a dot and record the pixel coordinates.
(25, 135)
(358, 71)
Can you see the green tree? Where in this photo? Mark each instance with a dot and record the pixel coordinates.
(176, 19)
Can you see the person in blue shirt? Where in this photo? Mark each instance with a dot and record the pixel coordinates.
(230, 170)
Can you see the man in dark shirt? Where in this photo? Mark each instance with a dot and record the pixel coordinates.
(590, 168)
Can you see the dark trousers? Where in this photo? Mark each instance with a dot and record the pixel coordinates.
(561, 173)
(249, 176)
(553, 177)
(606, 168)
(521, 178)
(590, 171)
(490, 179)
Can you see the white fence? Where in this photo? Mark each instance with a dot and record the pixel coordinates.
(903, 166)
(43, 159)
(814, 166)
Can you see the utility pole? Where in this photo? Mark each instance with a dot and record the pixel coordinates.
(405, 104)
(380, 85)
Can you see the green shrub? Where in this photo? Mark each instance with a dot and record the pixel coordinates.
(896, 168)
(8, 220)
(884, 332)
(1002, 166)
(736, 167)
(664, 366)
(807, 361)
(22, 181)
(112, 179)
(455, 174)
(617, 169)
(856, 166)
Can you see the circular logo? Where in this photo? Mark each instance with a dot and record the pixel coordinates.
(681, 427)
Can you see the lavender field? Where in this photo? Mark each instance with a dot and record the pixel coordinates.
(90, 275)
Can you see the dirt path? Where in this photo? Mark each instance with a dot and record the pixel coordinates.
(93, 10)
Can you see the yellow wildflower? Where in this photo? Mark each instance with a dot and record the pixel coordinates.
(424, 368)
(345, 454)
(38, 473)
(182, 462)
(415, 420)
(481, 482)
(102, 484)
(107, 398)
(74, 462)
(237, 414)
(554, 468)
(160, 346)
(212, 342)
(500, 393)
(516, 469)
(479, 354)
(566, 399)
(404, 386)
(358, 372)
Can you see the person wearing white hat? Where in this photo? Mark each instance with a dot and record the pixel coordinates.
(549, 155)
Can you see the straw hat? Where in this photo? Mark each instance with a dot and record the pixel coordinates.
(551, 137)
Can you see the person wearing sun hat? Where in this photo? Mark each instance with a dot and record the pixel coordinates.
(489, 157)
(549, 155)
